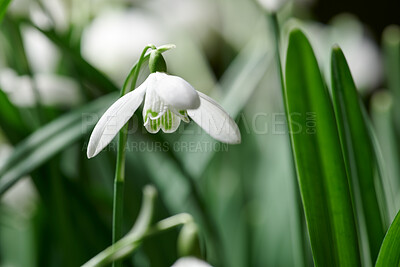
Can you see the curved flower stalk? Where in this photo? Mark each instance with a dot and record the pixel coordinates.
(168, 100)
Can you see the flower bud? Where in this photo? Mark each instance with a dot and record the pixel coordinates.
(157, 62)
(189, 241)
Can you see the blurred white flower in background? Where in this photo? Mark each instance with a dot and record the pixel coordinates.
(20, 7)
(43, 58)
(42, 55)
(53, 90)
(190, 262)
(17, 88)
(115, 39)
(57, 9)
(272, 5)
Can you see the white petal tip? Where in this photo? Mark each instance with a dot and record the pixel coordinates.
(215, 121)
(166, 47)
(91, 151)
(89, 155)
(231, 139)
(114, 119)
(236, 141)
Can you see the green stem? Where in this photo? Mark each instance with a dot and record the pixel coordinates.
(119, 180)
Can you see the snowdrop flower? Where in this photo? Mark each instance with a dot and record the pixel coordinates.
(190, 262)
(168, 100)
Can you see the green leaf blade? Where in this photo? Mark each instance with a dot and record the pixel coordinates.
(3, 8)
(318, 159)
(49, 140)
(358, 149)
(389, 254)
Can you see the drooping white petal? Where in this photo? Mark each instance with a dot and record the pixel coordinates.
(190, 262)
(215, 121)
(114, 119)
(175, 91)
(157, 115)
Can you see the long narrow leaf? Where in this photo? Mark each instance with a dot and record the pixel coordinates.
(358, 150)
(389, 255)
(318, 159)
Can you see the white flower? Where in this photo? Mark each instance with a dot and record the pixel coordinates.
(169, 99)
(190, 262)
(272, 5)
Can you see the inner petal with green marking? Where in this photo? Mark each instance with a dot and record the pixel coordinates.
(157, 115)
